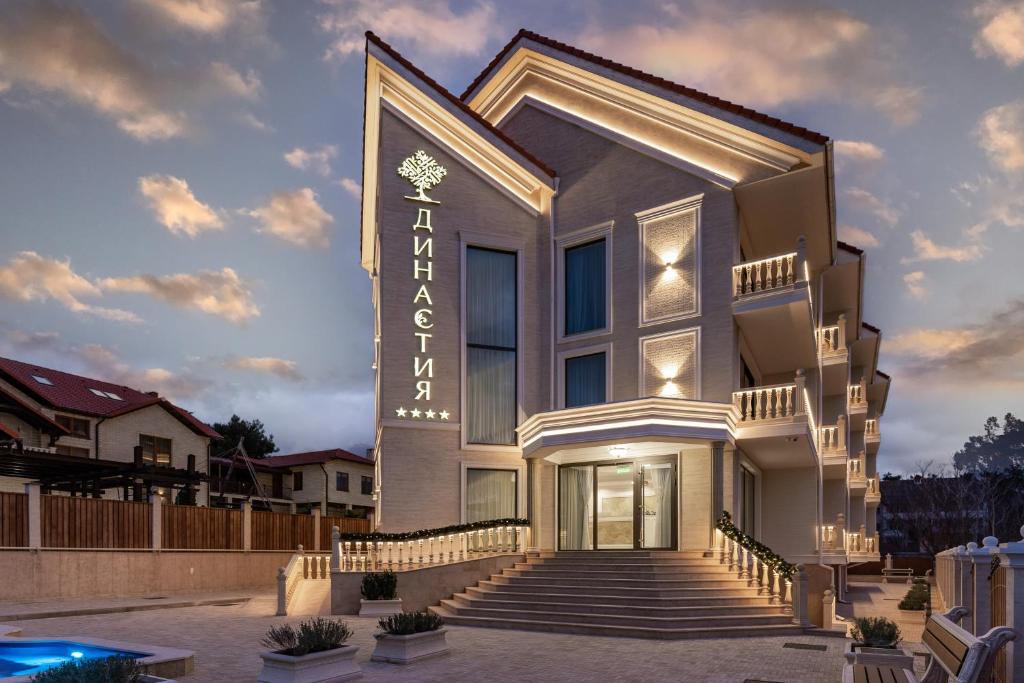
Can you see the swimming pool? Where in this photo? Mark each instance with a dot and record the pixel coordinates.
(23, 659)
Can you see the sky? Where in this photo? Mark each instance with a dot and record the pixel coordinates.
(179, 184)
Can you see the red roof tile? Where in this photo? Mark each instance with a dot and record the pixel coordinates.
(74, 394)
(373, 38)
(314, 458)
(746, 112)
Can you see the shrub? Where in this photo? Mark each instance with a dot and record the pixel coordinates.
(379, 586)
(875, 632)
(119, 669)
(916, 598)
(312, 635)
(407, 623)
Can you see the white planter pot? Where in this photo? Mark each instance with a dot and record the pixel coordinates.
(898, 657)
(146, 678)
(319, 667)
(411, 648)
(379, 608)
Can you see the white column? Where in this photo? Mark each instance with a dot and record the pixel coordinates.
(717, 487)
(980, 617)
(35, 516)
(1012, 557)
(156, 520)
(246, 525)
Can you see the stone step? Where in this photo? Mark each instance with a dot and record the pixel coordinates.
(531, 579)
(616, 563)
(707, 597)
(597, 606)
(543, 571)
(632, 557)
(585, 628)
(518, 585)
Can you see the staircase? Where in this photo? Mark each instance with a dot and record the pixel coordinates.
(632, 594)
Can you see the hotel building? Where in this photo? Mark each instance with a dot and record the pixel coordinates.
(615, 306)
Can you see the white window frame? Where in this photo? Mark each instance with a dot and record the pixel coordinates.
(641, 375)
(518, 468)
(517, 246)
(563, 356)
(694, 203)
(574, 239)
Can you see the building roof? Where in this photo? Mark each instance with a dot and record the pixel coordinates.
(870, 327)
(314, 458)
(8, 432)
(883, 374)
(462, 106)
(89, 396)
(686, 91)
(850, 248)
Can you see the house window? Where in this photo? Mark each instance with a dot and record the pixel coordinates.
(155, 449)
(366, 486)
(78, 427)
(585, 380)
(296, 481)
(585, 287)
(73, 450)
(341, 481)
(491, 334)
(747, 501)
(490, 494)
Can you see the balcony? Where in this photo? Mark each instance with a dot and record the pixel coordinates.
(834, 354)
(861, 546)
(833, 449)
(772, 308)
(774, 425)
(872, 437)
(858, 480)
(873, 492)
(857, 404)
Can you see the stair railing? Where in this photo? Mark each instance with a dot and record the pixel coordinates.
(783, 582)
(300, 568)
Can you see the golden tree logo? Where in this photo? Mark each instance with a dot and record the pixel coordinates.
(424, 173)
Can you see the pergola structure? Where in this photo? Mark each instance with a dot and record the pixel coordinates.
(90, 477)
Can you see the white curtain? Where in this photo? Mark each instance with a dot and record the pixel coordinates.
(490, 494)
(575, 507)
(661, 486)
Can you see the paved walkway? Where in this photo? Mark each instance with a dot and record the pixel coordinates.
(882, 600)
(42, 609)
(226, 642)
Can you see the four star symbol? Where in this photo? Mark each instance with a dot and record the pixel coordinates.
(430, 414)
(416, 413)
(443, 414)
(400, 412)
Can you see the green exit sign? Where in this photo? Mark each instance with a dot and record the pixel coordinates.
(623, 469)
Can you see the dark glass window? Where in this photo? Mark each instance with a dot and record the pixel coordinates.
(748, 502)
(341, 481)
(155, 449)
(491, 334)
(366, 486)
(585, 288)
(296, 481)
(585, 380)
(78, 427)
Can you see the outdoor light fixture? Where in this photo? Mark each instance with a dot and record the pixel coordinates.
(618, 451)
(77, 655)
(669, 374)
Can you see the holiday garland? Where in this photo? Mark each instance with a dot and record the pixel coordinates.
(762, 552)
(427, 533)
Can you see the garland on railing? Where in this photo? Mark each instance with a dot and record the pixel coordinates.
(426, 533)
(760, 550)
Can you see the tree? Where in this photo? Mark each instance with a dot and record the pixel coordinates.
(258, 444)
(1000, 448)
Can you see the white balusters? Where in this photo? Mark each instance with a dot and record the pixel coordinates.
(766, 403)
(858, 393)
(763, 275)
(871, 428)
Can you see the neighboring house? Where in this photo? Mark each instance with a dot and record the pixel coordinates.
(334, 480)
(620, 295)
(78, 416)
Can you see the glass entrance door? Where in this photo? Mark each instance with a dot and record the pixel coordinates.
(618, 505)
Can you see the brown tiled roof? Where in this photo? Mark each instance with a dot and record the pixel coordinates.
(850, 248)
(373, 38)
(746, 112)
(314, 458)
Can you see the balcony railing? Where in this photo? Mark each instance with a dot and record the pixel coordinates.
(857, 467)
(832, 535)
(858, 395)
(860, 542)
(759, 404)
(871, 429)
(873, 490)
(754, 277)
(832, 338)
(833, 437)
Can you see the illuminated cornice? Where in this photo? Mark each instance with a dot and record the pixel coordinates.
(387, 88)
(656, 123)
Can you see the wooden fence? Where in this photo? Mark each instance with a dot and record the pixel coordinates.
(66, 522)
(13, 520)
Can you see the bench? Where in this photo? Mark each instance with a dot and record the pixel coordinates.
(909, 573)
(954, 652)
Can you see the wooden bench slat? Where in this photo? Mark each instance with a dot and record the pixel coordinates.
(947, 647)
(878, 674)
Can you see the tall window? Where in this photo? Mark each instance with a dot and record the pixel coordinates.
(585, 293)
(585, 380)
(748, 493)
(366, 486)
(490, 346)
(296, 481)
(155, 449)
(490, 494)
(78, 427)
(341, 481)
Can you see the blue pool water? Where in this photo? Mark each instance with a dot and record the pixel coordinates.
(22, 659)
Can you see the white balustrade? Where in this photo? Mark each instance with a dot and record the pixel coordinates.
(764, 275)
(301, 567)
(857, 467)
(872, 489)
(871, 428)
(753, 568)
(858, 394)
(767, 403)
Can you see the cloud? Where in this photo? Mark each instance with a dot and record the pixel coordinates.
(226, 77)
(352, 187)
(868, 202)
(317, 160)
(925, 249)
(857, 237)
(764, 57)
(105, 364)
(1002, 31)
(915, 283)
(211, 17)
(176, 208)
(30, 277)
(1000, 133)
(31, 341)
(285, 369)
(254, 122)
(220, 293)
(858, 150)
(295, 217)
(420, 27)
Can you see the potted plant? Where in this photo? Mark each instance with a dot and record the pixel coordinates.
(117, 669)
(876, 642)
(312, 653)
(914, 602)
(407, 637)
(379, 590)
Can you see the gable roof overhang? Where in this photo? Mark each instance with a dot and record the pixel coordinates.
(15, 405)
(395, 84)
(721, 141)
